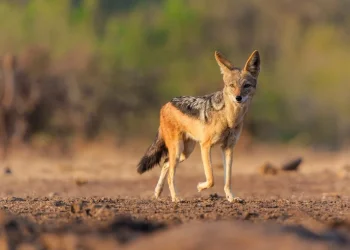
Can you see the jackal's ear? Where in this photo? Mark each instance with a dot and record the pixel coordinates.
(225, 65)
(253, 64)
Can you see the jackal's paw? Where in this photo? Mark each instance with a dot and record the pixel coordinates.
(154, 198)
(204, 185)
(232, 199)
(200, 186)
(176, 199)
(157, 193)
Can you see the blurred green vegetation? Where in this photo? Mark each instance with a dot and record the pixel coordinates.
(121, 60)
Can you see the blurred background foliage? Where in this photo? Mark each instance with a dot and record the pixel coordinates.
(109, 65)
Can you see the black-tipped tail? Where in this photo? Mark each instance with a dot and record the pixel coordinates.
(153, 155)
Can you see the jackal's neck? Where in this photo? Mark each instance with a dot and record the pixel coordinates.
(235, 112)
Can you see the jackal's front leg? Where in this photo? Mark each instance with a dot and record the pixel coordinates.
(227, 162)
(208, 170)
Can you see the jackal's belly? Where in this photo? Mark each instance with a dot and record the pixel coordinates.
(227, 136)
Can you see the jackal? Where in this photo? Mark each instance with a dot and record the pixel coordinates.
(212, 119)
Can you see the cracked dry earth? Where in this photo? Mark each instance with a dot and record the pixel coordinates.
(289, 211)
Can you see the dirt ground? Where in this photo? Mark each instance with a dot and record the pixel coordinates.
(96, 200)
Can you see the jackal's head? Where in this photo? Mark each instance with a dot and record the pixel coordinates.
(240, 84)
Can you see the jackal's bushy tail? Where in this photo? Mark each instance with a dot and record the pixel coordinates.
(153, 155)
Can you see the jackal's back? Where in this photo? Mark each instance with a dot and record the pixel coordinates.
(200, 107)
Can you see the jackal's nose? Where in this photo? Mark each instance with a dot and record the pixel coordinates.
(238, 98)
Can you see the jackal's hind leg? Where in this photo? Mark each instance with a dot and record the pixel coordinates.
(175, 153)
(160, 185)
(189, 146)
(171, 178)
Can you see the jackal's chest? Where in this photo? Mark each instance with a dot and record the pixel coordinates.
(227, 137)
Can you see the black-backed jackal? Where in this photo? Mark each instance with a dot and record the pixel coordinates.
(212, 119)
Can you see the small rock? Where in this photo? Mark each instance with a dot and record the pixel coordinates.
(344, 172)
(76, 208)
(331, 195)
(214, 196)
(81, 181)
(268, 169)
(52, 194)
(59, 203)
(292, 165)
(248, 215)
(7, 171)
(239, 200)
(88, 211)
(17, 199)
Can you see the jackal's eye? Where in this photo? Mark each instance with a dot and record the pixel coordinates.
(245, 86)
(231, 85)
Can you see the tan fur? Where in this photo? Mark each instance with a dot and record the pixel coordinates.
(180, 132)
